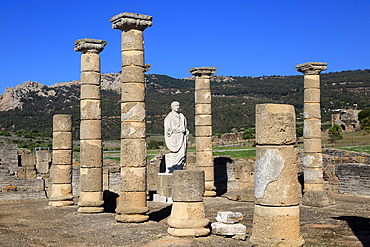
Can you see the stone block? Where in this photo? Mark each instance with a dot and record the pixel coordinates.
(229, 217)
(313, 175)
(311, 81)
(313, 187)
(203, 143)
(89, 91)
(132, 130)
(275, 124)
(61, 174)
(90, 109)
(132, 74)
(187, 186)
(312, 145)
(282, 230)
(90, 130)
(42, 161)
(316, 198)
(203, 96)
(91, 179)
(62, 140)
(202, 84)
(62, 157)
(203, 131)
(90, 77)
(133, 92)
(312, 95)
(91, 199)
(133, 152)
(91, 153)
(312, 129)
(204, 158)
(133, 179)
(133, 111)
(312, 160)
(21, 172)
(60, 203)
(276, 181)
(203, 120)
(28, 160)
(61, 192)
(187, 215)
(62, 123)
(133, 57)
(223, 229)
(132, 203)
(203, 109)
(132, 40)
(312, 110)
(30, 172)
(90, 62)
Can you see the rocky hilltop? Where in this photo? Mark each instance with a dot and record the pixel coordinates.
(12, 97)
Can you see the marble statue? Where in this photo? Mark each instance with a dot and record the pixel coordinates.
(176, 137)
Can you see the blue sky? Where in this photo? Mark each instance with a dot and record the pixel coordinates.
(239, 37)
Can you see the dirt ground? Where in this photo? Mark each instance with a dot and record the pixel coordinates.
(34, 223)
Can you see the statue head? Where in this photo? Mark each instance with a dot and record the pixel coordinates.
(175, 106)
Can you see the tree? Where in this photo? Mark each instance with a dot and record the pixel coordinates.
(364, 117)
(299, 131)
(334, 133)
(249, 134)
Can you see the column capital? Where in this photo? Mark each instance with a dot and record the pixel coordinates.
(90, 45)
(201, 71)
(312, 68)
(126, 21)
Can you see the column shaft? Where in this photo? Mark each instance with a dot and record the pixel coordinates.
(203, 126)
(61, 169)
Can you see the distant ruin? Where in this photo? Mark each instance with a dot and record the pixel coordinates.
(347, 120)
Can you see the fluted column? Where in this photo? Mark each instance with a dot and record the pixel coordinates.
(61, 169)
(314, 194)
(91, 190)
(132, 201)
(203, 126)
(276, 213)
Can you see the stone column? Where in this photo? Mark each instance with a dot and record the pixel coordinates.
(203, 126)
(61, 169)
(314, 194)
(132, 201)
(187, 217)
(276, 213)
(91, 160)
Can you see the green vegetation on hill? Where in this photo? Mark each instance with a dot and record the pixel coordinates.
(233, 101)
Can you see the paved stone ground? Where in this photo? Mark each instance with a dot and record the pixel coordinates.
(34, 223)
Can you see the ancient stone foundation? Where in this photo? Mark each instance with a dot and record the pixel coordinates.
(276, 214)
(203, 126)
(314, 194)
(132, 201)
(61, 169)
(91, 191)
(187, 215)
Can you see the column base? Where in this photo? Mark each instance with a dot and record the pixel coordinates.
(60, 203)
(195, 232)
(210, 189)
(209, 193)
(90, 210)
(317, 199)
(132, 218)
(295, 242)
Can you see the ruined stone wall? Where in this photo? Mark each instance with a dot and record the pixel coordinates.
(9, 157)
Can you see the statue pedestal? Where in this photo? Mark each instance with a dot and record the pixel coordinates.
(164, 191)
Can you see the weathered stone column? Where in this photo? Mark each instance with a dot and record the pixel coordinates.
(314, 194)
(91, 191)
(276, 214)
(61, 169)
(187, 217)
(203, 126)
(132, 201)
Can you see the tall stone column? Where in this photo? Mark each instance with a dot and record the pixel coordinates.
(314, 194)
(276, 213)
(91, 160)
(132, 201)
(203, 126)
(61, 169)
